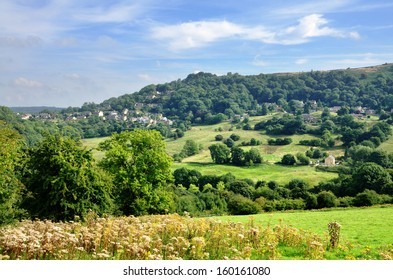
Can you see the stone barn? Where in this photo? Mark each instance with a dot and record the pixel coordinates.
(330, 161)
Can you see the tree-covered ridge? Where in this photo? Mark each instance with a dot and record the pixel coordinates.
(201, 97)
(205, 98)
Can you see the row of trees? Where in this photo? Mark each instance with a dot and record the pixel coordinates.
(222, 154)
(58, 179)
(247, 197)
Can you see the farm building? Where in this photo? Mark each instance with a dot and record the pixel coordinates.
(330, 161)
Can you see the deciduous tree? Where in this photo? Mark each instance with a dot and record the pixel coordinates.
(141, 170)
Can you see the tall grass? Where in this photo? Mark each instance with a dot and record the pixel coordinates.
(169, 237)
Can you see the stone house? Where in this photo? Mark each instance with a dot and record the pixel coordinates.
(330, 160)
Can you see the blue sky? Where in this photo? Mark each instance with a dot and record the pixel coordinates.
(67, 52)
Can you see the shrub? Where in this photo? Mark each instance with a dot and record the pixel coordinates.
(219, 137)
(240, 205)
(326, 199)
(288, 159)
(280, 141)
(303, 159)
(241, 187)
(346, 201)
(366, 198)
(234, 137)
(229, 142)
(311, 201)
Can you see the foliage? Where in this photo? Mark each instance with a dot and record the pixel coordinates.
(302, 159)
(229, 142)
(326, 199)
(280, 141)
(62, 181)
(315, 153)
(141, 170)
(10, 186)
(287, 125)
(370, 176)
(190, 148)
(220, 153)
(288, 159)
(235, 137)
(313, 142)
(366, 198)
(218, 137)
(240, 205)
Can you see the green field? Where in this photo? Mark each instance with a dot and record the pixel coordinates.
(370, 227)
(269, 171)
(387, 145)
(92, 143)
(266, 172)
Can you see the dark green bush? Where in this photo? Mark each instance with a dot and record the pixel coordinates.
(326, 199)
(366, 198)
(240, 205)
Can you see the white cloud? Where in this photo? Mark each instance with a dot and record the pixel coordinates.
(301, 61)
(50, 19)
(24, 82)
(195, 34)
(309, 27)
(201, 33)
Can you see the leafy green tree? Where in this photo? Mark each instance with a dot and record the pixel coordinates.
(370, 176)
(298, 188)
(252, 156)
(186, 177)
(241, 187)
(235, 137)
(62, 181)
(220, 153)
(303, 159)
(190, 148)
(229, 142)
(218, 137)
(141, 170)
(366, 198)
(264, 109)
(326, 199)
(10, 186)
(240, 205)
(288, 159)
(237, 156)
(311, 201)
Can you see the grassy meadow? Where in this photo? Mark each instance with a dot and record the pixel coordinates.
(365, 234)
(269, 171)
(367, 226)
(92, 143)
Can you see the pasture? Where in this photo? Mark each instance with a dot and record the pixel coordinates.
(365, 234)
(369, 226)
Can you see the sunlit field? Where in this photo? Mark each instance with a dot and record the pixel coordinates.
(365, 234)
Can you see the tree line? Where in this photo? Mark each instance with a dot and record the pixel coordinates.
(58, 179)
